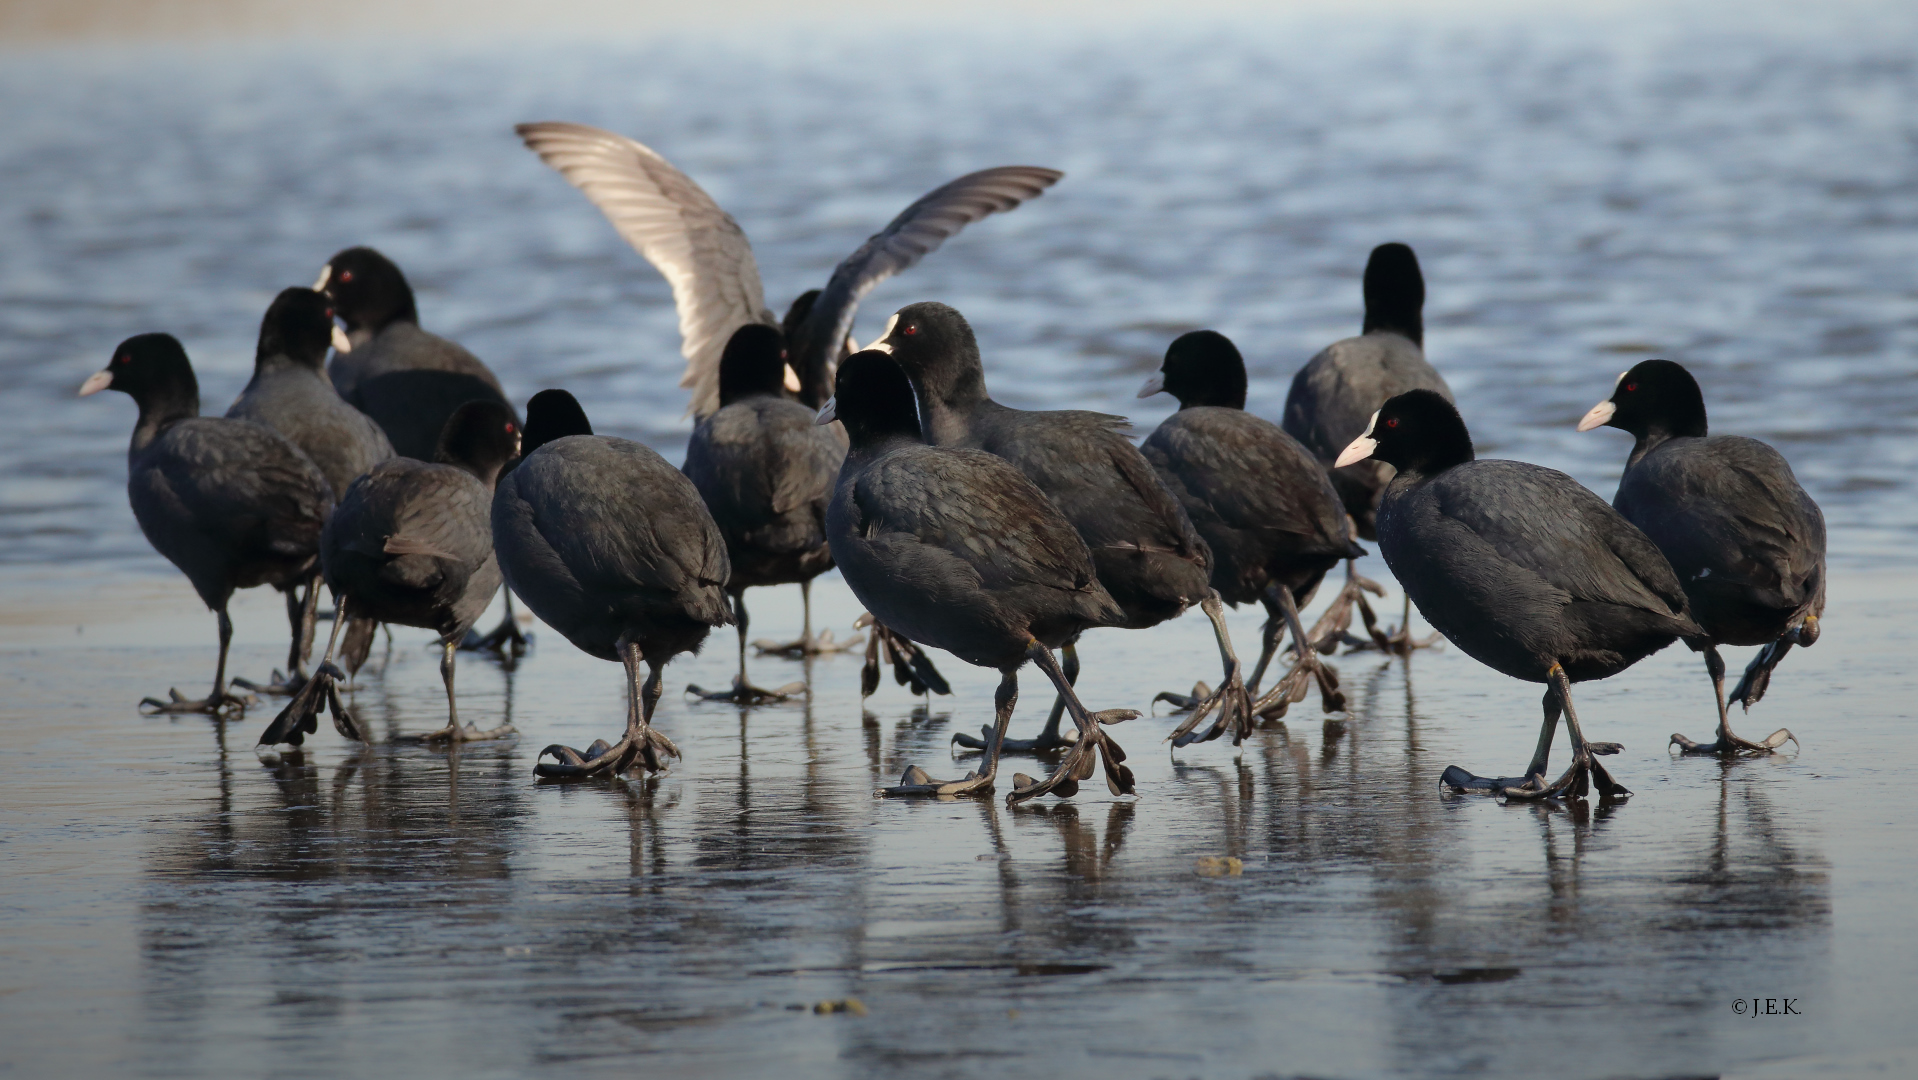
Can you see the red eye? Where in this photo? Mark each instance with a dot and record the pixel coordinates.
(1394, 422)
(1630, 386)
(509, 429)
(909, 330)
(346, 276)
(329, 313)
(122, 358)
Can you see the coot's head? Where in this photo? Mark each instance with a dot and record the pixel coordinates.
(1417, 432)
(798, 313)
(367, 290)
(873, 398)
(154, 371)
(1201, 368)
(479, 437)
(551, 415)
(934, 346)
(754, 365)
(1395, 292)
(1656, 397)
(298, 326)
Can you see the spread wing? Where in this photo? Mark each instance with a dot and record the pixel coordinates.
(697, 247)
(915, 233)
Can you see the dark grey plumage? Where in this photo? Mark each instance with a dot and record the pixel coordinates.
(1148, 556)
(1335, 394)
(1260, 500)
(612, 547)
(1522, 568)
(230, 502)
(955, 548)
(1745, 539)
(411, 543)
(290, 393)
(765, 471)
(408, 380)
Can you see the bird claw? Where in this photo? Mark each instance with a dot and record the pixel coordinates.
(745, 693)
(1577, 782)
(1077, 766)
(917, 781)
(1040, 745)
(820, 644)
(176, 703)
(645, 746)
(506, 639)
(1728, 743)
(463, 733)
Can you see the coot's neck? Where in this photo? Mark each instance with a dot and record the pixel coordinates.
(869, 448)
(161, 408)
(1686, 424)
(948, 406)
(1440, 452)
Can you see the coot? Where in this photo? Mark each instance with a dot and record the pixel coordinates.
(612, 547)
(1335, 394)
(956, 549)
(1149, 557)
(1522, 568)
(705, 256)
(1746, 541)
(1263, 504)
(232, 503)
(408, 380)
(290, 393)
(411, 543)
(766, 472)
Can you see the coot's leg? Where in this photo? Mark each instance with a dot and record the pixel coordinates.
(454, 731)
(302, 610)
(917, 781)
(1585, 772)
(1231, 699)
(1463, 780)
(640, 745)
(300, 718)
(506, 639)
(807, 645)
(219, 701)
(1309, 668)
(1726, 742)
(1049, 738)
(1093, 742)
(743, 692)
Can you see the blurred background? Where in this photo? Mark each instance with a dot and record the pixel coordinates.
(1733, 186)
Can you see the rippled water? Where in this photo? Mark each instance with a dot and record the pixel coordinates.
(1742, 197)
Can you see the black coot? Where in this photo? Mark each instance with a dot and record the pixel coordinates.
(229, 502)
(290, 393)
(705, 256)
(411, 543)
(1149, 557)
(956, 549)
(1263, 505)
(766, 472)
(1524, 569)
(408, 380)
(612, 547)
(1335, 394)
(1746, 541)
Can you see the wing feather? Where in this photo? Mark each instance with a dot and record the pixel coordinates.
(696, 246)
(917, 232)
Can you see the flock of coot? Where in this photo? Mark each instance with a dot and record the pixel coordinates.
(401, 475)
